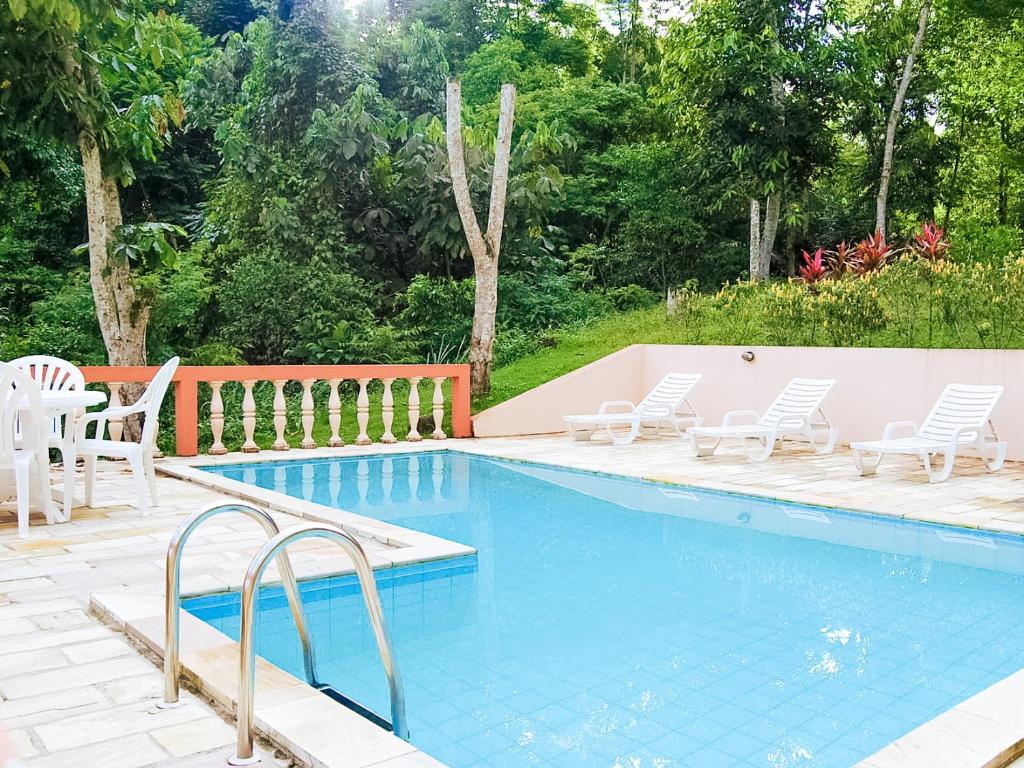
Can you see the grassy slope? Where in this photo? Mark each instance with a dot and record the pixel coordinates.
(577, 348)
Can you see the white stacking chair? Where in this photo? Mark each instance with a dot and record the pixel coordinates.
(796, 412)
(960, 420)
(22, 438)
(139, 455)
(52, 374)
(666, 406)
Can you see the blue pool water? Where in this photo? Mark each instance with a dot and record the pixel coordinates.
(607, 622)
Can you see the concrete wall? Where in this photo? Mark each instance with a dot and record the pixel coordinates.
(874, 386)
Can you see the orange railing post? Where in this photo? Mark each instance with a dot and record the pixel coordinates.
(462, 424)
(187, 379)
(186, 417)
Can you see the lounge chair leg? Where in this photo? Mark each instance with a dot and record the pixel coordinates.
(831, 435)
(634, 430)
(704, 449)
(1000, 457)
(757, 456)
(865, 465)
(942, 474)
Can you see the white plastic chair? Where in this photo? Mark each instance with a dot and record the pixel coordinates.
(139, 455)
(795, 412)
(665, 406)
(960, 420)
(22, 437)
(53, 374)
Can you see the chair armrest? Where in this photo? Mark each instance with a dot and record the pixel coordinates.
(954, 439)
(732, 416)
(615, 404)
(892, 426)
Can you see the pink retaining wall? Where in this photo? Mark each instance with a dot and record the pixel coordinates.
(874, 386)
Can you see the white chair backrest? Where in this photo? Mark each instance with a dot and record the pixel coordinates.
(670, 391)
(801, 398)
(15, 389)
(961, 406)
(51, 374)
(153, 398)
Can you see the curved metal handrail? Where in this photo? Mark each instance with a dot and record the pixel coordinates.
(172, 592)
(245, 754)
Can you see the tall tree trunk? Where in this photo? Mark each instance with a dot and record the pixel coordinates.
(1003, 206)
(755, 239)
(772, 213)
(882, 201)
(485, 249)
(122, 315)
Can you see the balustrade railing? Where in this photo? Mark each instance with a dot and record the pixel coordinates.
(186, 401)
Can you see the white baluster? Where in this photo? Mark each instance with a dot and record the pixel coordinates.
(217, 419)
(438, 403)
(363, 413)
(334, 415)
(280, 416)
(414, 410)
(387, 412)
(249, 418)
(115, 427)
(280, 479)
(307, 413)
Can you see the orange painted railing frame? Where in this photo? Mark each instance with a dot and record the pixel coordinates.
(187, 378)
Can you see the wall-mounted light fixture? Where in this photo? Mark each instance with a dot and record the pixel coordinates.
(748, 356)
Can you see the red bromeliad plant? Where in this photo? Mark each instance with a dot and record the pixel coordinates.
(814, 269)
(929, 243)
(872, 253)
(841, 260)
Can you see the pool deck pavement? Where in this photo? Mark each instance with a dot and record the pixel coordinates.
(74, 692)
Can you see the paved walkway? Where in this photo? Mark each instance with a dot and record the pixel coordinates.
(73, 692)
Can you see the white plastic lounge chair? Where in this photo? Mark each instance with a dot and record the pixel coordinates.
(959, 421)
(22, 437)
(139, 455)
(795, 412)
(665, 406)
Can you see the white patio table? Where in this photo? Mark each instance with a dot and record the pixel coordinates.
(65, 403)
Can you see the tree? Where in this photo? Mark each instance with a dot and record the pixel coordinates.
(894, 116)
(103, 77)
(485, 248)
(757, 78)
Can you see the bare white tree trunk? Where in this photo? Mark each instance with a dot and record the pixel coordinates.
(485, 248)
(881, 202)
(773, 210)
(755, 238)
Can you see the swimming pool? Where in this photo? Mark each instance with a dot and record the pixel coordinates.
(612, 622)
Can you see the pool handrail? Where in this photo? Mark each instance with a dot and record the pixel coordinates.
(172, 592)
(245, 752)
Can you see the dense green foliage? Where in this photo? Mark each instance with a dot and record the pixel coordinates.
(300, 147)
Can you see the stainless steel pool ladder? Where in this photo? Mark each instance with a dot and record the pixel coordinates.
(245, 753)
(172, 592)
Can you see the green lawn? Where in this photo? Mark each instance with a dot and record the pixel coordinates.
(576, 348)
